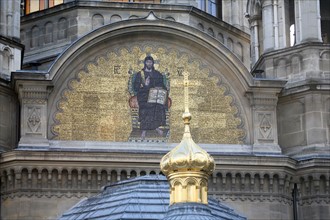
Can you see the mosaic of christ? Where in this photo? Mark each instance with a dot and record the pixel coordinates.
(149, 102)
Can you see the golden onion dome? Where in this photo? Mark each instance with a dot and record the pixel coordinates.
(187, 156)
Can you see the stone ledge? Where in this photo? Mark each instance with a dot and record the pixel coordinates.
(150, 147)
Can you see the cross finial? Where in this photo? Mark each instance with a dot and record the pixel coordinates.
(186, 115)
(186, 92)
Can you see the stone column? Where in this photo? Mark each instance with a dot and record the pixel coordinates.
(263, 103)
(10, 18)
(235, 13)
(254, 39)
(268, 25)
(33, 98)
(308, 23)
(8, 118)
(16, 20)
(283, 24)
(276, 33)
(227, 12)
(3, 19)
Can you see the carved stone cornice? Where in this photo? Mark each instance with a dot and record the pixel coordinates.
(316, 199)
(34, 94)
(32, 86)
(253, 19)
(261, 98)
(258, 100)
(247, 179)
(58, 193)
(255, 197)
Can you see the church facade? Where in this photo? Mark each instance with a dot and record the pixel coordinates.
(71, 113)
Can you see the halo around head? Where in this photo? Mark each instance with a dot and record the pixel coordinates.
(154, 56)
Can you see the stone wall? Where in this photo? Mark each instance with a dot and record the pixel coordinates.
(10, 48)
(304, 123)
(298, 64)
(10, 57)
(10, 18)
(8, 117)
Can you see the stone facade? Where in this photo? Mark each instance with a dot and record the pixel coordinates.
(75, 19)
(303, 125)
(274, 160)
(66, 178)
(10, 60)
(8, 117)
(10, 48)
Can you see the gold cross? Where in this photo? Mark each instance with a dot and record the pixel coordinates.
(186, 91)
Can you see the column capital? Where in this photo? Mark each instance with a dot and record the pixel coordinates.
(253, 20)
(259, 100)
(266, 3)
(262, 95)
(36, 93)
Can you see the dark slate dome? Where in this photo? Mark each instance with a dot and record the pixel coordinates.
(147, 198)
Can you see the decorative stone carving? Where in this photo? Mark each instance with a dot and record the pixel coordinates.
(265, 126)
(33, 99)
(34, 118)
(253, 185)
(263, 105)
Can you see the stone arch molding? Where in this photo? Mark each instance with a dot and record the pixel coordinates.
(200, 54)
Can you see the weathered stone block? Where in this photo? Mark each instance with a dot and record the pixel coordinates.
(313, 120)
(316, 136)
(293, 139)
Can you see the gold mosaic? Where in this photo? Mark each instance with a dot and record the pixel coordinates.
(95, 106)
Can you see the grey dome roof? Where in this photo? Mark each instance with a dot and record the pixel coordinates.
(147, 198)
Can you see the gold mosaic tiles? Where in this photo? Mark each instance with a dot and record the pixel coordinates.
(95, 105)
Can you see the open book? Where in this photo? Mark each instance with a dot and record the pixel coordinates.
(157, 95)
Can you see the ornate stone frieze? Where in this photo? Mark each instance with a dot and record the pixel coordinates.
(34, 94)
(256, 197)
(263, 101)
(54, 178)
(69, 194)
(317, 199)
(260, 181)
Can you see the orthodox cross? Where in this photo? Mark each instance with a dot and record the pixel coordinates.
(186, 91)
(188, 83)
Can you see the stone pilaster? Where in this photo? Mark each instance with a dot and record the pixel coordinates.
(33, 99)
(308, 23)
(268, 26)
(283, 23)
(263, 104)
(254, 28)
